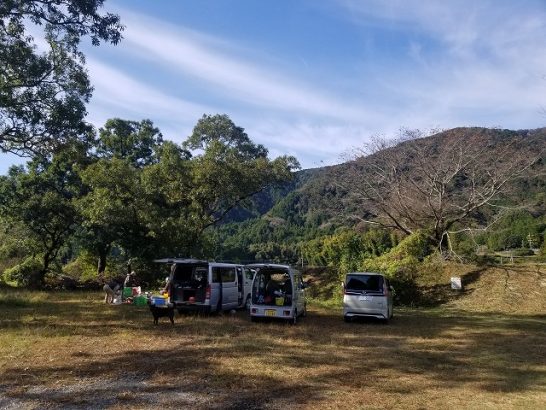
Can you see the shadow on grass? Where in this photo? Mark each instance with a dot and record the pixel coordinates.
(228, 362)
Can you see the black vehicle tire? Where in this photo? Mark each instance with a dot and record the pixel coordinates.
(253, 319)
(346, 319)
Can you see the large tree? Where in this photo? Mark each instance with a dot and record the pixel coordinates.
(42, 200)
(228, 169)
(43, 89)
(440, 183)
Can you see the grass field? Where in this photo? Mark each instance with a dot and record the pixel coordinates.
(71, 350)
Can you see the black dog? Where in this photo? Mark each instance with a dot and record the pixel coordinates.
(163, 311)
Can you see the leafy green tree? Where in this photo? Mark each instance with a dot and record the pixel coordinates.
(228, 170)
(43, 92)
(42, 199)
(131, 140)
(113, 209)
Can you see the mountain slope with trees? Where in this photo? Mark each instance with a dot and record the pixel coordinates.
(463, 187)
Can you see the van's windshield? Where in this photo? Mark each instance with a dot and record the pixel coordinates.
(371, 283)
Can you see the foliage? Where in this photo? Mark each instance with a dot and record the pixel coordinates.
(136, 142)
(43, 93)
(42, 199)
(24, 274)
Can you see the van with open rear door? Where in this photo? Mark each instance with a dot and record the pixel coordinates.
(277, 293)
(203, 286)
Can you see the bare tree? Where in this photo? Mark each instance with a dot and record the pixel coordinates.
(440, 182)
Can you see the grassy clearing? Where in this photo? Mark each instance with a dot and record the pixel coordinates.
(69, 349)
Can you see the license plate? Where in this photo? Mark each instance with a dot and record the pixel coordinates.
(364, 298)
(270, 312)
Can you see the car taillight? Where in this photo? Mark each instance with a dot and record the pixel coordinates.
(286, 312)
(207, 292)
(254, 310)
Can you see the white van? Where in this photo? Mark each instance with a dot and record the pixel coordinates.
(277, 292)
(196, 285)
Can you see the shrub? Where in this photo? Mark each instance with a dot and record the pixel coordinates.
(23, 274)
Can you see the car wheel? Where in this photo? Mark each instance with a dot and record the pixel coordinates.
(253, 319)
(346, 319)
(295, 318)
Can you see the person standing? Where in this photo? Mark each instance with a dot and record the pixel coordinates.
(130, 280)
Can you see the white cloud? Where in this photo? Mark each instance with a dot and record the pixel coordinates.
(222, 66)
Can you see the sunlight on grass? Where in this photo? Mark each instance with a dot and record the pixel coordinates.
(423, 358)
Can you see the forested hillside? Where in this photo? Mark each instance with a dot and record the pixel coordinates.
(492, 198)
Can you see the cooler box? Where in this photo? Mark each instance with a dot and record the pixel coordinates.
(127, 292)
(159, 301)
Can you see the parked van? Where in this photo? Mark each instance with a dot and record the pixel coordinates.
(277, 292)
(196, 285)
(367, 294)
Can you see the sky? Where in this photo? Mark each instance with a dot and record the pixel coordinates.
(316, 79)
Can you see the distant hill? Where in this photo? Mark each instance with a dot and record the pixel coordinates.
(314, 204)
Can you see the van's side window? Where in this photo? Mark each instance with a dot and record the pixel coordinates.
(223, 274)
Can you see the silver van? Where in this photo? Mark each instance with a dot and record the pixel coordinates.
(367, 294)
(278, 291)
(196, 285)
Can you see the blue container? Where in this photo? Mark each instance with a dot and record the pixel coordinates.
(159, 301)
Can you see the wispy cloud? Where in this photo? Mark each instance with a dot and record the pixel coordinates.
(239, 77)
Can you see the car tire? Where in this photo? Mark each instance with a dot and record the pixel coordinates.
(346, 319)
(295, 318)
(253, 319)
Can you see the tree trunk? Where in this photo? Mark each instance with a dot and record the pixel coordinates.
(103, 253)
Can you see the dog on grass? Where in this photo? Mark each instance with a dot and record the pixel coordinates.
(164, 311)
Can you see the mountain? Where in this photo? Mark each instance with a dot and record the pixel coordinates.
(321, 201)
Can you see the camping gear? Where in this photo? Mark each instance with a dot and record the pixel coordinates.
(127, 292)
(135, 291)
(158, 301)
(279, 301)
(140, 300)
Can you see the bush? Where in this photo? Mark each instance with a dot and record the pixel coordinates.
(23, 274)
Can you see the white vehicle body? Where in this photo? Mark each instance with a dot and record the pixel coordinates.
(277, 292)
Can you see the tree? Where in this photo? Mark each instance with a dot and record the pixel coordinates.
(43, 92)
(228, 170)
(113, 210)
(42, 200)
(134, 141)
(439, 183)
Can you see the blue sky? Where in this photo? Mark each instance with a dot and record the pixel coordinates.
(315, 79)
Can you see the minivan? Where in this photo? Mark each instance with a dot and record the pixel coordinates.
(367, 294)
(202, 286)
(278, 292)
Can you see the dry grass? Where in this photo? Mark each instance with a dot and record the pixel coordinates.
(70, 350)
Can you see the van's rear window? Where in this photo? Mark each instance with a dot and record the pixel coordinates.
(364, 282)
